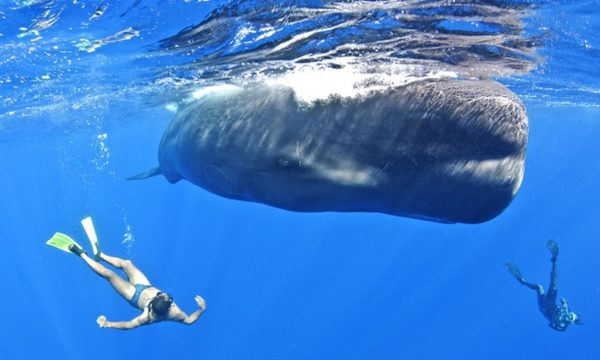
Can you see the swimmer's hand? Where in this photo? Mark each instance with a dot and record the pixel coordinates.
(189, 320)
(143, 319)
(200, 301)
(101, 320)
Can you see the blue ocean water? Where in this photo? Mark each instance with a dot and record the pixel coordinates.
(87, 89)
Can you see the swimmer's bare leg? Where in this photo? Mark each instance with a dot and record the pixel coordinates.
(134, 275)
(124, 288)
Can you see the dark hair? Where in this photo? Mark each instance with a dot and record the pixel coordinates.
(161, 303)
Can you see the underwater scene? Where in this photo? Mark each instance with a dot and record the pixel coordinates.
(311, 179)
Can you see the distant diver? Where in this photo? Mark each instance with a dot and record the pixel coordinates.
(559, 315)
(156, 305)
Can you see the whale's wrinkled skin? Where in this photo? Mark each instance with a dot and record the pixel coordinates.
(446, 150)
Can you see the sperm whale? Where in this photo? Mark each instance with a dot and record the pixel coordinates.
(444, 150)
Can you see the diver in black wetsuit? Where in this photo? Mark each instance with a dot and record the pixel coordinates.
(558, 315)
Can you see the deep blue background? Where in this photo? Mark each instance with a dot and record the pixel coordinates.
(278, 285)
(283, 285)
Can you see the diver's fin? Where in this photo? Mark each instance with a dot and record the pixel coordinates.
(146, 174)
(514, 271)
(551, 245)
(62, 242)
(88, 226)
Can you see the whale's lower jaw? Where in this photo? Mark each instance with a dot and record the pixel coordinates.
(459, 199)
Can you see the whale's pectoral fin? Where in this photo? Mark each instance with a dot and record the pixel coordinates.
(146, 174)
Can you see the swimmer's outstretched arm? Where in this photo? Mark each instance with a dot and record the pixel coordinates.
(189, 320)
(124, 325)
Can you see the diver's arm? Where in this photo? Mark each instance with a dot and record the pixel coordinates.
(189, 320)
(143, 319)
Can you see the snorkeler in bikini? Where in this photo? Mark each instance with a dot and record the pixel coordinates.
(559, 315)
(156, 305)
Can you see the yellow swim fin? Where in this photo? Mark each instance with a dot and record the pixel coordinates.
(62, 242)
